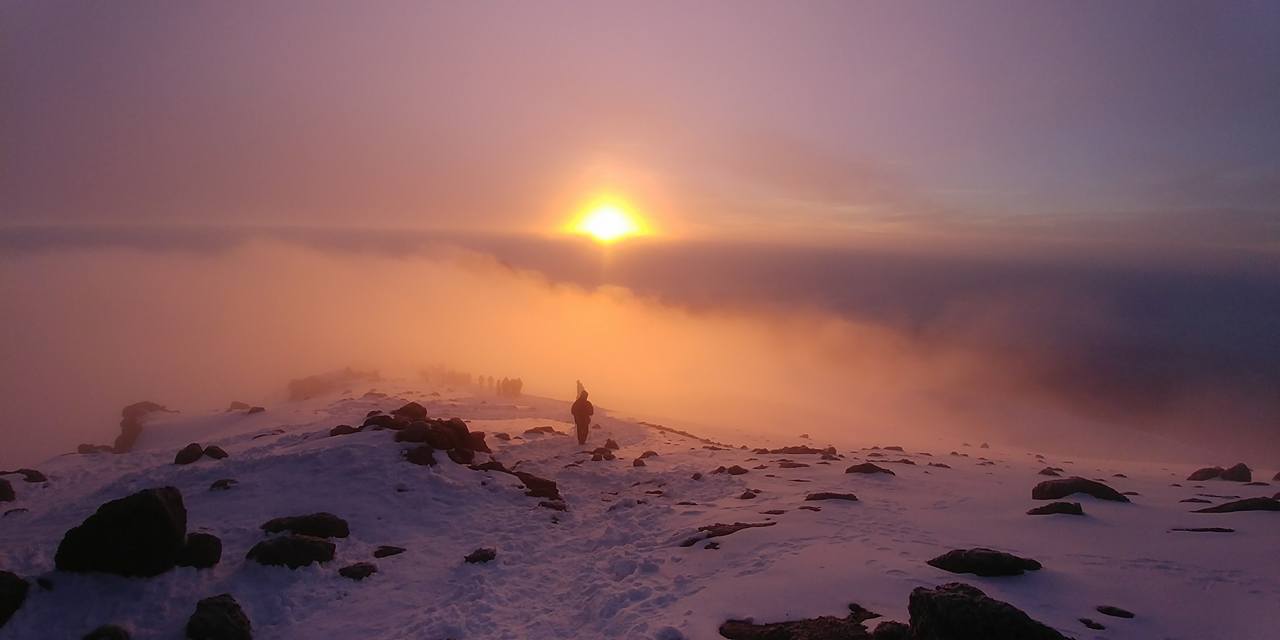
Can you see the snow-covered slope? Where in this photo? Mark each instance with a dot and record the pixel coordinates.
(612, 565)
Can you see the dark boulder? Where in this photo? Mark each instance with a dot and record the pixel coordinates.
(735, 470)
(107, 632)
(984, 562)
(637, 462)
(342, 430)
(411, 411)
(215, 452)
(475, 442)
(1058, 489)
(827, 495)
(202, 551)
(131, 419)
(1092, 625)
(6, 491)
(423, 455)
(539, 487)
(1238, 473)
(461, 456)
(718, 530)
(611, 444)
(253, 410)
(890, 630)
(415, 432)
(13, 592)
(28, 475)
(867, 467)
(787, 464)
(223, 484)
(291, 551)
(548, 429)
(1248, 504)
(319, 525)
(820, 628)
(481, 555)
(378, 421)
(458, 428)
(649, 454)
(188, 454)
(1115, 612)
(387, 550)
(138, 535)
(1207, 473)
(236, 405)
(358, 571)
(219, 618)
(957, 611)
(1051, 471)
(1064, 508)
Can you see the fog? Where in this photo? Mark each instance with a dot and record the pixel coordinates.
(93, 326)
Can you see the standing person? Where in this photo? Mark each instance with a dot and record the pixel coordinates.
(582, 411)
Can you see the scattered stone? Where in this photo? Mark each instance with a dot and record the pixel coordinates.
(481, 555)
(1197, 500)
(188, 454)
(637, 462)
(138, 535)
(6, 491)
(810, 507)
(828, 495)
(1051, 471)
(343, 430)
(547, 430)
(1257, 484)
(1204, 529)
(107, 632)
(1091, 624)
(939, 465)
(735, 470)
(219, 618)
(900, 461)
(461, 456)
(957, 611)
(1207, 473)
(984, 562)
(253, 410)
(1057, 489)
(411, 411)
(215, 452)
(890, 630)
(554, 505)
(13, 592)
(791, 465)
(1248, 504)
(649, 454)
(86, 449)
(319, 525)
(611, 444)
(1237, 473)
(505, 437)
(747, 495)
(201, 551)
(358, 571)
(423, 455)
(1116, 612)
(1065, 508)
(774, 512)
(236, 405)
(1119, 475)
(223, 484)
(718, 530)
(28, 475)
(696, 476)
(387, 550)
(538, 487)
(292, 550)
(867, 467)
(378, 421)
(475, 442)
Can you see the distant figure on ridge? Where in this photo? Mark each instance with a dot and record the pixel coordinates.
(582, 411)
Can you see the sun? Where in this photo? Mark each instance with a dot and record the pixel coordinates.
(608, 222)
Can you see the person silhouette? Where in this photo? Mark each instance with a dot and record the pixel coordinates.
(582, 411)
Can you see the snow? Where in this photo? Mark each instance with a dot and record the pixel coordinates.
(612, 565)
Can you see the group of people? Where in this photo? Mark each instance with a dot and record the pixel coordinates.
(509, 387)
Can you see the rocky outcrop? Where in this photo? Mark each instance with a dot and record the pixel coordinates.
(1247, 504)
(828, 495)
(13, 592)
(188, 454)
(1058, 489)
(219, 618)
(1207, 473)
(131, 419)
(358, 571)
(480, 555)
(957, 611)
(411, 411)
(984, 562)
(201, 551)
(718, 530)
(139, 535)
(385, 551)
(423, 456)
(1064, 508)
(867, 467)
(1237, 473)
(215, 452)
(319, 525)
(291, 551)
(343, 430)
(820, 628)
(7, 493)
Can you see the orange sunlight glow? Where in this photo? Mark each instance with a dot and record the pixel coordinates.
(608, 222)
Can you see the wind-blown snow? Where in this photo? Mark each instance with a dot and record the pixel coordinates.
(612, 565)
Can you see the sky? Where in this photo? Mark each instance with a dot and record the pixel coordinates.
(1141, 122)
(1010, 220)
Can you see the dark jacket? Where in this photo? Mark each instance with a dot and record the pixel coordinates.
(582, 410)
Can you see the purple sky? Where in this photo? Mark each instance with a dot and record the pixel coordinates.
(1137, 121)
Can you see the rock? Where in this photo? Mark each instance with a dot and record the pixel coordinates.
(538, 487)
(827, 495)
(820, 628)
(810, 508)
(696, 476)
(554, 505)
(28, 475)
(735, 470)
(107, 632)
(202, 551)
(718, 530)
(219, 618)
(957, 611)
(188, 454)
(86, 449)
(549, 430)
(1057, 489)
(138, 535)
(319, 525)
(637, 462)
(461, 456)
(253, 410)
(505, 437)
(1207, 473)
(481, 555)
(1276, 477)
(649, 454)
(867, 467)
(415, 432)
(223, 484)
(457, 429)
(611, 444)
(386, 551)
(799, 450)
(131, 418)
(900, 461)
(787, 464)
(475, 442)
(215, 452)
(1091, 624)
(890, 630)
(747, 495)
(1115, 612)
(291, 551)
(423, 455)
(1248, 504)
(358, 571)
(984, 562)
(13, 592)
(1064, 508)
(411, 411)
(378, 421)
(1204, 529)
(1196, 500)
(940, 465)
(342, 430)
(6, 491)
(1238, 473)
(1051, 471)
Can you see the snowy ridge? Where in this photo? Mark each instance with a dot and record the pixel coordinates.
(612, 565)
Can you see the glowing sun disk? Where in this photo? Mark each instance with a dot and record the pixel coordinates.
(608, 223)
